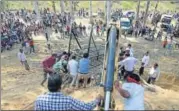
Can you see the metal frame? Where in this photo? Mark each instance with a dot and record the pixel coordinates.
(89, 43)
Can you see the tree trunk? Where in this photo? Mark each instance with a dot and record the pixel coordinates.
(90, 11)
(146, 13)
(53, 6)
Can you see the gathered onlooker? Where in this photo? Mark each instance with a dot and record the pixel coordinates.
(56, 100)
(154, 74)
(145, 62)
(23, 60)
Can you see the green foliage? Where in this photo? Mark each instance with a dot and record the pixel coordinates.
(127, 5)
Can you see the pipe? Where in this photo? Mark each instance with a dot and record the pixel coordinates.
(110, 65)
(107, 100)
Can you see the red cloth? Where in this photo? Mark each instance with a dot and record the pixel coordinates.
(129, 79)
(48, 63)
(31, 42)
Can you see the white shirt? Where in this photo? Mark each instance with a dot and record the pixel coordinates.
(136, 99)
(128, 63)
(145, 60)
(21, 56)
(131, 51)
(27, 44)
(73, 67)
(155, 73)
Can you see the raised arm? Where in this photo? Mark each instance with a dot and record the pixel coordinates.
(80, 105)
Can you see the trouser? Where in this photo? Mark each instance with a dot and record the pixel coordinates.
(84, 77)
(74, 79)
(141, 70)
(27, 50)
(46, 35)
(32, 49)
(26, 65)
(45, 76)
(151, 80)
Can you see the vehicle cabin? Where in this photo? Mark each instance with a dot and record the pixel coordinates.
(125, 25)
(165, 21)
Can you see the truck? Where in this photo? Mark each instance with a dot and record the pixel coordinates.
(165, 22)
(125, 25)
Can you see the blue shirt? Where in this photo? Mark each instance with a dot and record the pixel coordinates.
(58, 101)
(84, 65)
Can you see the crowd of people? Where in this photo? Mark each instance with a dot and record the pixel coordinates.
(20, 26)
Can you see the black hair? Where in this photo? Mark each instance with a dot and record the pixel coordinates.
(127, 55)
(64, 52)
(156, 64)
(134, 76)
(73, 57)
(129, 45)
(85, 55)
(54, 82)
(54, 55)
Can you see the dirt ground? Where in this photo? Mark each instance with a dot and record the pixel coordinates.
(19, 88)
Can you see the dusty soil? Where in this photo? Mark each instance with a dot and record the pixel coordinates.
(20, 88)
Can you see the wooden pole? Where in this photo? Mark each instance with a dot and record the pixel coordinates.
(146, 13)
(90, 11)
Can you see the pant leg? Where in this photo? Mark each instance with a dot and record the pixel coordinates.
(45, 77)
(85, 79)
(74, 80)
(149, 80)
(77, 80)
(26, 65)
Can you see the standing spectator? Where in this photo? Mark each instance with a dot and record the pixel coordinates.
(169, 46)
(83, 69)
(165, 42)
(47, 66)
(23, 60)
(145, 62)
(27, 48)
(102, 29)
(154, 74)
(56, 100)
(133, 92)
(73, 69)
(84, 30)
(31, 42)
(131, 51)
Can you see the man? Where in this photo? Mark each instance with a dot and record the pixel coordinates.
(145, 62)
(83, 69)
(131, 51)
(22, 59)
(47, 66)
(73, 69)
(133, 92)
(60, 65)
(128, 63)
(56, 100)
(154, 74)
(31, 42)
